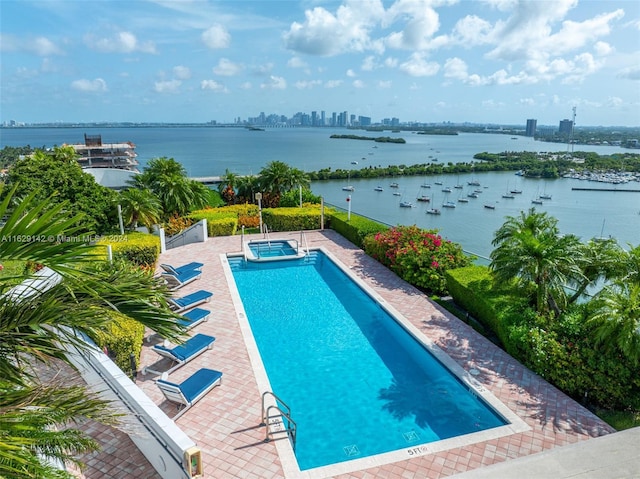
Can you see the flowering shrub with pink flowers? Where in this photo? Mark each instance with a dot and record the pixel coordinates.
(418, 256)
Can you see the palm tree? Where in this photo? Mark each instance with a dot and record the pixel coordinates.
(227, 186)
(168, 180)
(616, 318)
(36, 417)
(530, 248)
(248, 186)
(278, 177)
(140, 205)
(597, 260)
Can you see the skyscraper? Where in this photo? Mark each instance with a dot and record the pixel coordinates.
(566, 127)
(531, 127)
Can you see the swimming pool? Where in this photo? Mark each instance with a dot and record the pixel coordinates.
(357, 383)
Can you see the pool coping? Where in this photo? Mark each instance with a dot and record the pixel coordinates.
(284, 447)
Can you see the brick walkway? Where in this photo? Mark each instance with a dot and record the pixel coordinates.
(225, 423)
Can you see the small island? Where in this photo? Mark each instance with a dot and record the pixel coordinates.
(379, 139)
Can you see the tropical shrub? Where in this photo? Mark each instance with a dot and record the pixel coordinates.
(121, 339)
(292, 198)
(176, 223)
(355, 229)
(140, 249)
(418, 256)
(292, 219)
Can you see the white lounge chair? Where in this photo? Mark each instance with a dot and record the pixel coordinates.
(183, 353)
(182, 269)
(176, 281)
(191, 390)
(189, 301)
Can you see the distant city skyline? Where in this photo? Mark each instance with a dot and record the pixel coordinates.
(425, 61)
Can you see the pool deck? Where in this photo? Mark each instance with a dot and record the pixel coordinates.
(225, 423)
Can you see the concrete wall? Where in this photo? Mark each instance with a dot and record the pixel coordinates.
(161, 441)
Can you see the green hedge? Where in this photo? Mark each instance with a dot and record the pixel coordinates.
(292, 219)
(141, 249)
(220, 221)
(473, 289)
(122, 338)
(356, 229)
(560, 350)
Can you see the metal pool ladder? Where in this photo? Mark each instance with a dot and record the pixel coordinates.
(278, 423)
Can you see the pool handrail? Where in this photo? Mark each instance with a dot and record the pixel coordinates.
(285, 411)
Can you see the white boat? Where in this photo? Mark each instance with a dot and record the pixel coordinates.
(489, 206)
(473, 195)
(433, 211)
(354, 162)
(537, 201)
(463, 200)
(406, 204)
(348, 188)
(509, 195)
(448, 204)
(425, 185)
(473, 183)
(394, 185)
(397, 193)
(378, 188)
(423, 198)
(446, 189)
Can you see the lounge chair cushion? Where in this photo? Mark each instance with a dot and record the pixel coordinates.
(182, 278)
(181, 269)
(194, 317)
(198, 382)
(189, 348)
(191, 299)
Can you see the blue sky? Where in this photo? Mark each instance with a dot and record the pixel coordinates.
(491, 61)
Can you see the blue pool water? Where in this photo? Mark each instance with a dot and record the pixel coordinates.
(357, 383)
(271, 249)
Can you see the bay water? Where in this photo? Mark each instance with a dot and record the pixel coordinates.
(210, 151)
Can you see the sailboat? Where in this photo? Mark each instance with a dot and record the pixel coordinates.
(348, 187)
(422, 198)
(433, 211)
(508, 194)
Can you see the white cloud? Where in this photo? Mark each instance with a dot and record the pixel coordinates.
(246, 86)
(181, 72)
(455, 68)
(369, 64)
(213, 85)
(296, 62)
(169, 86)
(527, 101)
(358, 84)
(264, 69)
(602, 48)
(326, 34)
(385, 84)
(391, 62)
(227, 68)
(216, 37)
(97, 85)
(307, 85)
(40, 46)
(351, 73)
(119, 42)
(422, 24)
(471, 31)
(615, 101)
(274, 83)
(417, 66)
(332, 83)
(631, 73)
